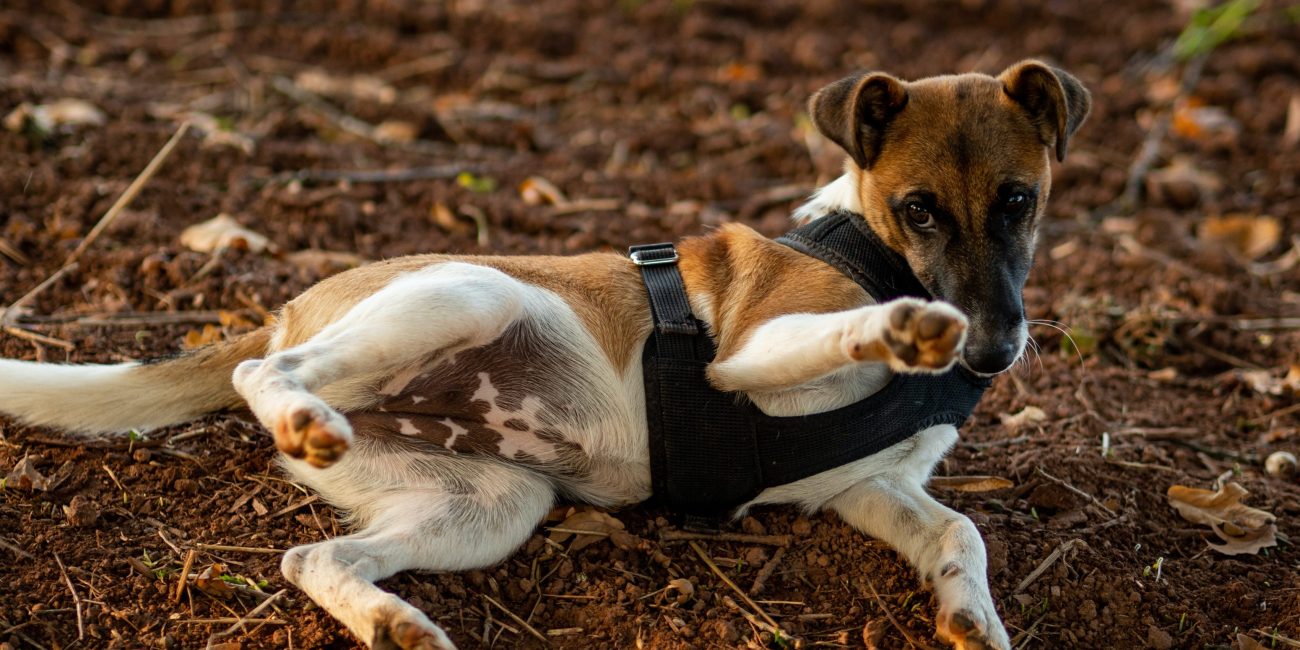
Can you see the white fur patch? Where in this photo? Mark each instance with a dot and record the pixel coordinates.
(839, 194)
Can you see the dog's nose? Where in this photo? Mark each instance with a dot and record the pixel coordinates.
(991, 358)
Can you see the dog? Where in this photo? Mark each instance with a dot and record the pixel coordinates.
(446, 402)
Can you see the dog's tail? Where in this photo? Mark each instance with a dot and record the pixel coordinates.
(94, 399)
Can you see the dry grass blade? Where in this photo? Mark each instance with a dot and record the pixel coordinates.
(704, 555)
(250, 617)
(185, 571)
(531, 630)
(76, 599)
(1048, 561)
(890, 615)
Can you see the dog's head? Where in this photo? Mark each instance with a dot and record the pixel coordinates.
(953, 173)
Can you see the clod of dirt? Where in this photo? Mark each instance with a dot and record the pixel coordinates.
(25, 477)
(1159, 639)
(1280, 464)
(81, 512)
(801, 526)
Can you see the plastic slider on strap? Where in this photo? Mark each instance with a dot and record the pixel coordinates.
(653, 254)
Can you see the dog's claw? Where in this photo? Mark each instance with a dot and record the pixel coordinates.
(964, 630)
(924, 336)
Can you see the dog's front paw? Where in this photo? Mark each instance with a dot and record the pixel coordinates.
(923, 336)
(312, 432)
(972, 629)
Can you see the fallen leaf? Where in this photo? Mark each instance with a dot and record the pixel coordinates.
(48, 117)
(222, 232)
(199, 338)
(1291, 133)
(1245, 530)
(234, 321)
(587, 520)
(397, 131)
(971, 483)
(443, 217)
(325, 263)
(25, 477)
(1246, 236)
(364, 87)
(1026, 416)
(685, 590)
(1163, 374)
(536, 190)
(1196, 121)
(1246, 643)
(1181, 184)
(1268, 383)
(210, 582)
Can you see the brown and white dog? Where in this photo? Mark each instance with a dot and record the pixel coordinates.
(445, 402)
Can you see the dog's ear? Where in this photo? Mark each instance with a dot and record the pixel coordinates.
(1056, 101)
(854, 111)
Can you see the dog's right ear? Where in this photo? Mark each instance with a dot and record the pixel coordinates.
(854, 112)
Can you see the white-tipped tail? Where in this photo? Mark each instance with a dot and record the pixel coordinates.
(90, 399)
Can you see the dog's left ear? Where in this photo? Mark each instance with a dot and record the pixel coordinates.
(1056, 101)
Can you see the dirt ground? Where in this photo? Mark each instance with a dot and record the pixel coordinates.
(656, 119)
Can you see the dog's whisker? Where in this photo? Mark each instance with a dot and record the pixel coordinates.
(1065, 331)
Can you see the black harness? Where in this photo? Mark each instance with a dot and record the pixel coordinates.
(712, 451)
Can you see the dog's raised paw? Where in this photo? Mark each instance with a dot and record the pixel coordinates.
(313, 433)
(923, 336)
(966, 630)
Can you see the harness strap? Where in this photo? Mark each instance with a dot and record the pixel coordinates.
(691, 430)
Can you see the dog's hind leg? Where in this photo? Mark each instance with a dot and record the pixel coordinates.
(943, 545)
(470, 514)
(443, 307)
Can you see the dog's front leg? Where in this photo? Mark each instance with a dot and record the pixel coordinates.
(943, 545)
(908, 334)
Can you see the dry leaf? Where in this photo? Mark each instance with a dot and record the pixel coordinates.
(1195, 121)
(591, 520)
(1026, 416)
(443, 217)
(325, 262)
(1291, 134)
(397, 131)
(536, 190)
(1245, 236)
(685, 590)
(1181, 184)
(1246, 643)
(360, 86)
(25, 477)
(199, 338)
(971, 483)
(1244, 530)
(235, 321)
(48, 117)
(222, 232)
(1265, 381)
(210, 582)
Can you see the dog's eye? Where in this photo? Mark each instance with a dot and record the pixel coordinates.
(1015, 204)
(919, 215)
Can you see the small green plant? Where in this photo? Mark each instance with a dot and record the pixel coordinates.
(476, 184)
(1212, 26)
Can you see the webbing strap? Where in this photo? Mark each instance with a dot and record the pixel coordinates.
(703, 456)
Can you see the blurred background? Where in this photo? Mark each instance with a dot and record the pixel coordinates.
(323, 135)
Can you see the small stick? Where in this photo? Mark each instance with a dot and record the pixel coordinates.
(898, 626)
(743, 538)
(531, 630)
(765, 573)
(1048, 562)
(375, 175)
(15, 549)
(238, 549)
(699, 550)
(185, 571)
(76, 600)
(1077, 491)
(231, 619)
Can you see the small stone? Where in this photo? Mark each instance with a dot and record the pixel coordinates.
(752, 526)
(81, 512)
(142, 455)
(726, 632)
(1159, 639)
(801, 527)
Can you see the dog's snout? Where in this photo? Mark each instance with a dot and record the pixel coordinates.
(993, 357)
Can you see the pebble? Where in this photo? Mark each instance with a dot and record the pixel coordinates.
(801, 527)
(1159, 639)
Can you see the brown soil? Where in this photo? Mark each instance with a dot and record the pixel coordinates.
(686, 114)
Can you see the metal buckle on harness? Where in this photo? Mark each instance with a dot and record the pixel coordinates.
(653, 254)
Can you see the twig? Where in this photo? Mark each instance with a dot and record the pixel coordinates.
(1048, 562)
(127, 319)
(15, 550)
(898, 626)
(699, 550)
(1158, 433)
(743, 538)
(374, 175)
(765, 573)
(1077, 491)
(238, 549)
(185, 571)
(76, 600)
(531, 630)
(250, 617)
